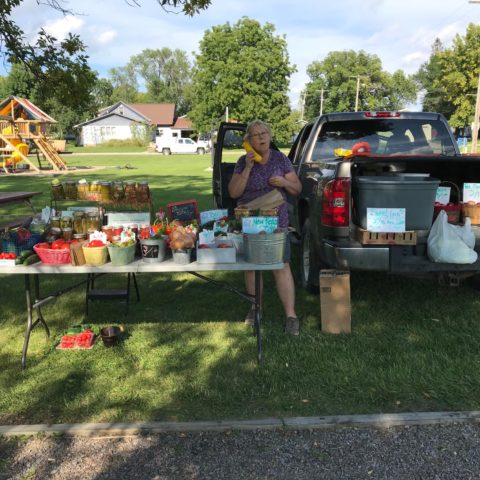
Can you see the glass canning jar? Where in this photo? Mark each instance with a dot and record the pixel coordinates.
(93, 221)
(105, 191)
(118, 192)
(65, 222)
(143, 192)
(79, 223)
(130, 192)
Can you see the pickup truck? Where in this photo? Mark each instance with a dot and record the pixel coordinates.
(324, 216)
(167, 146)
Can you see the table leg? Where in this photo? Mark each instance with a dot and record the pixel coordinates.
(258, 314)
(39, 311)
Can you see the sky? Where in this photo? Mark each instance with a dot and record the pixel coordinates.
(400, 32)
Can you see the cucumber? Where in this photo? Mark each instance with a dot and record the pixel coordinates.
(25, 254)
(18, 261)
(31, 259)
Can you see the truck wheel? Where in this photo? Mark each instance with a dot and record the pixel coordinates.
(166, 151)
(200, 151)
(309, 266)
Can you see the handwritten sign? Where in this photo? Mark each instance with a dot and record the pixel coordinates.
(206, 237)
(124, 218)
(259, 224)
(386, 220)
(212, 215)
(471, 192)
(185, 211)
(443, 195)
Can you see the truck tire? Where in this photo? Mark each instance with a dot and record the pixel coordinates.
(200, 151)
(309, 265)
(166, 151)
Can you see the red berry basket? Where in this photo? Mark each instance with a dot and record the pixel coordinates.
(454, 208)
(53, 257)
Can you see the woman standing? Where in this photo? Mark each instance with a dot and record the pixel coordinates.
(251, 180)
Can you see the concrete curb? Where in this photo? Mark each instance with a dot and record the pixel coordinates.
(292, 423)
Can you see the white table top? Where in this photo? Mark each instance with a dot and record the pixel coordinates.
(139, 266)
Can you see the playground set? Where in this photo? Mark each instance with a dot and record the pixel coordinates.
(23, 126)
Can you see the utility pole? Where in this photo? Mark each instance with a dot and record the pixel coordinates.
(357, 94)
(303, 106)
(321, 100)
(475, 120)
(358, 91)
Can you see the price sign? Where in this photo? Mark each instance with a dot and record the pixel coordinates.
(443, 195)
(185, 211)
(259, 224)
(386, 220)
(471, 192)
(212, 215)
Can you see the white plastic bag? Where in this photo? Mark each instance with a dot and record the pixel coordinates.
(449, 243)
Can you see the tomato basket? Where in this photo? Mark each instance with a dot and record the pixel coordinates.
(95, 256)
(454, 209)
(53, 257)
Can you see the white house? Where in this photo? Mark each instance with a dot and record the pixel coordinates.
(124, 121)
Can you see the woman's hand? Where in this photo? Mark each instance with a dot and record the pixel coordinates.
(279, 182)
(249, 160)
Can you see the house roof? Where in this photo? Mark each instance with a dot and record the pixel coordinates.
(105, 115)
(19, 105)
(183, 122)
(157, 113)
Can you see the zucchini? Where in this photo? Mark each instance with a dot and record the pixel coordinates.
(25, 254)
(31, 259)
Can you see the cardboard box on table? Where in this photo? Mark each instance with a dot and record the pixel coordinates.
(335, 307)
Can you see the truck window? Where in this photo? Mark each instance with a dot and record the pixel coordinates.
(385, 137)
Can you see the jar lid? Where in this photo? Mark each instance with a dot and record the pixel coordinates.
(79, 214)
(130, 182)
(54, 218)
(105, 182)
(79, 236)
(143, 183)
(56, 230)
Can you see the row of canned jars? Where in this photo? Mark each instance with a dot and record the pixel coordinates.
(80, 223)
(102, 191)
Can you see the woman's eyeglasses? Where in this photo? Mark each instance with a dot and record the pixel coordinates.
(258, 135)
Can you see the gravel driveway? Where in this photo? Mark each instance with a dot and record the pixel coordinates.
(409, 452)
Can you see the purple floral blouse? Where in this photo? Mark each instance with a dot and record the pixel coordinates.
(257, 185)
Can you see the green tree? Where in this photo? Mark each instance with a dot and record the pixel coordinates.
(246, 68)
(125, 84)
(341, 73)
(450, 78)
(166, 74)
(12, 38)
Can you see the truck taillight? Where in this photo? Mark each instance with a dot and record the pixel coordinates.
(336, 203)
(381, 114)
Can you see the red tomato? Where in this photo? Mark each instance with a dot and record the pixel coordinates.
(43, 245)
(60, 245)
(12, 255)
(96, 243)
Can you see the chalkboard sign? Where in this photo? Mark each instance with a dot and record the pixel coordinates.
(185, 211)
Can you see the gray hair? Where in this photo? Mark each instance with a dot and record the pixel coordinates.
(256, 123)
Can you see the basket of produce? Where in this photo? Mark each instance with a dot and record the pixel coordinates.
(122, 253)
(471, 210)
(453, 208)
(19, 240)
(57, 253)
(95, 253)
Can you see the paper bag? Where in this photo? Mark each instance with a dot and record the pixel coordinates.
(76, 253)
(269, 200)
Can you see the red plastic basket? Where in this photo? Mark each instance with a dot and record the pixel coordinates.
(53, 257)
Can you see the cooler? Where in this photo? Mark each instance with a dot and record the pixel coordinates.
(415, 194)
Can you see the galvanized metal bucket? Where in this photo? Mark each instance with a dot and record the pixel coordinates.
(264, 248)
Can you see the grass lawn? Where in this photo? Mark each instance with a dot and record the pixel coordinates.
(188, 356)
